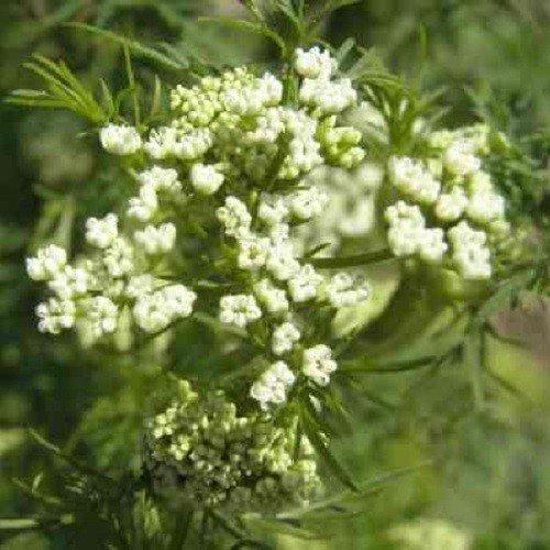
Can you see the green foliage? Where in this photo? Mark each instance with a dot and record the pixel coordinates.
(482, 423)
(64, 91)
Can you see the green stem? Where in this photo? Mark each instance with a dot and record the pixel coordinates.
(180, 537)
(132, 83)
(353, 261)
(226, 525)
(348, 368)
(19, 523)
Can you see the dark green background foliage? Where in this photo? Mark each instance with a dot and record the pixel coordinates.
(486, 469)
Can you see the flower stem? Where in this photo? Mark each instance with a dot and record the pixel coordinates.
(353, 261)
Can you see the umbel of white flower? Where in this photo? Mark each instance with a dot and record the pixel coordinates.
(200, 451)
(451, 188)
(236, 157)
(115, 276)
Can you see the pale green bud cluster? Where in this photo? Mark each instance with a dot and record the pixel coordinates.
(201, 451)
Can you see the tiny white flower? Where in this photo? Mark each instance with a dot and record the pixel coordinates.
(120, 140)
(413, 179)
(179, 300)
(318, 364)
(102, 232)
(119, 258)
(100, 316)
(327, 97)
(69, 282)
(314, 63)
(160, 179)
(235, 217)
(406, 228)
(281, 262)
(239, 309)
(272, 210)
(55, 315)
(305, 284)
(401, 211)
(269, 127)
(450, 206)
(432, 245)
(48, 261)
(157, 240)
(460, 158)
(470, 253)
(404, 239)
(140, 285)
(272, 298)
(161, 143)
(144, 206)
(253, 252)
(273, 384)
(271, 88)
(156, 311)
(345, 290)
(307, 203)
(206, 179)
(463, 234)
(473, 262)
(193, 145)
(485, 207)
(284, 338)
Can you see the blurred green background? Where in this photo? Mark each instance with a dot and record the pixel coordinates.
(489, 485)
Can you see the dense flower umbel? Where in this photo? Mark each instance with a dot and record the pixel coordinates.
(210, 456)
(228, 172)
(114, 277)
(448, 211)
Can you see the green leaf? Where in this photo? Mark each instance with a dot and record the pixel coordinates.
(368, 258)
(364, 366)
(311, 429)
(349, 497)
(137, 48)
(253, 8)
(344, 50)
(157, 98)
(474, 357)
(78, 466)
(281, 527)
(64, 90)
(256, 28)
(287, 7)
(108, 100)
(321, 8)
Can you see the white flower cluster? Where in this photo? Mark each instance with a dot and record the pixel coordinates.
(215, 458)
(318, 91)
(318, 364)
(156, 310)
(272, 386)
(451, 189)
(120, 139)
(92, 295)
(235, 158)
(280, 286)
(156, 184)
